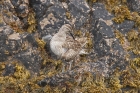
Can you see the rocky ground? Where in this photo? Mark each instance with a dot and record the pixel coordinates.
(112, 64)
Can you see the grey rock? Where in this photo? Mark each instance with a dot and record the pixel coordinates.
(5, 31)
(107, 50)
(106, 55)
(9, 70)
(101, 12)
(134, 5)
(124, 27)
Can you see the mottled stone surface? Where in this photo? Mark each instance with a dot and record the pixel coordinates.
(134, 5)
(107, 51)
(20, 41)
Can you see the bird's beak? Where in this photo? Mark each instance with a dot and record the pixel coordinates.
(72, 35)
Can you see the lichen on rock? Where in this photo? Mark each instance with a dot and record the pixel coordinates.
(111, 62)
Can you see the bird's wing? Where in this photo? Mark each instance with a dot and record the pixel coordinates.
(70, 43)
(73, 47)
(69, 54)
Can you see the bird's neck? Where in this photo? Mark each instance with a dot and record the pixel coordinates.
(61, 34)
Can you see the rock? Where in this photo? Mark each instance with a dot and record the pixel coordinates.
(134, 5)
(4, 50)
(124, 27)
(107, 50)
(30, 57)
(106, 65)
(9, 70)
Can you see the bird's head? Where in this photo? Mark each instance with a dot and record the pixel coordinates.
(67, 29)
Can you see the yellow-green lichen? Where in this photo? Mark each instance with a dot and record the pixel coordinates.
(6, 52)
(114, 83)
(31, 22)
(21, 72)
(90, 2)
(15, 27)
(119, 8)
(136, 19)
(68, 15)
(78, 33)
(52, 67)
(89, 44)
(91, 84)
(120, 36)
(121, 13)
(41, 43)
(19, 82)
(2, 66)
(8, 18)
(131, 76)
(110, 4)
(135, 64)
(1, 19)
(134, 40)
(24, 45)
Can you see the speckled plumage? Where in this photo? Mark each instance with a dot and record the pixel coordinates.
(64, 45)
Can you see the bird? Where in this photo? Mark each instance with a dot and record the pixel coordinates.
(64, 45)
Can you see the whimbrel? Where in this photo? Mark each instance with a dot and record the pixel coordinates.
(64, 45)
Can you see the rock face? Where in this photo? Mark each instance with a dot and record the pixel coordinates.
(134, 5)
(106, 66)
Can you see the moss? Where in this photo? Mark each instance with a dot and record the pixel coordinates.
(31, 22)
(2, 66)
(135, 64)
(127, 81)
(24, 45)
(8, 19)
(15, 27)
(1, 19)
(134, 40)
(52, 67)
(89, 44)
(91, 84)
(19, 82)
(119, 9)
(120, 36)
(121, 13)
(131, 76)
(114, 83)
(68, 15)
(21, 72)
(90, 2)
(110, 4)
(136, 19)
(30, 26)
(41, 43)
(6, 52)
(78, 33)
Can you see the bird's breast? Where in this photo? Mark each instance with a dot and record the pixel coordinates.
(56, 48)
